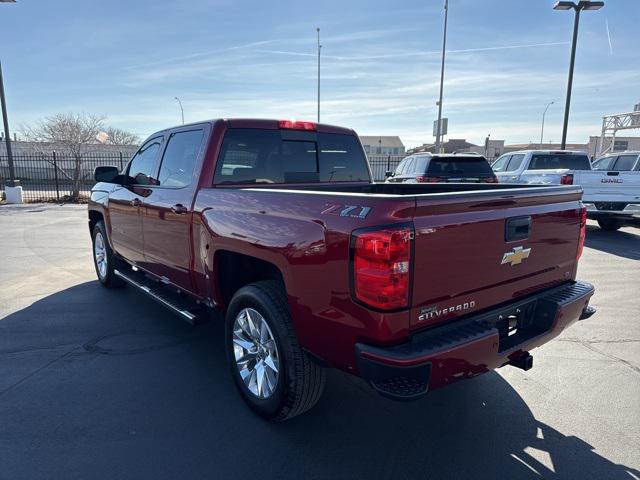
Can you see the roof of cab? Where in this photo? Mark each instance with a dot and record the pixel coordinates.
(259, 123)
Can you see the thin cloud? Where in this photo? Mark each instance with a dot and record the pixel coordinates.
(416, 54)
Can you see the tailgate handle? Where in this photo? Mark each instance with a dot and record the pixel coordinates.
(613, 174)
(517, 228)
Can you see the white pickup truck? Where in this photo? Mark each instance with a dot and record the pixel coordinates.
(612, 190)
(546, 167)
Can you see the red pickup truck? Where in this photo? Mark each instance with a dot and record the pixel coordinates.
(278, 227)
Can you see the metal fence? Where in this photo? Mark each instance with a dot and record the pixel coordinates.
(47, 177)
(381, 163)
(50, 177)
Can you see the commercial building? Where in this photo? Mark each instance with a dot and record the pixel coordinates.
(382, 145)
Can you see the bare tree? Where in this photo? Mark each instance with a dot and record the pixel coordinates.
(118, 136)
(75, 132)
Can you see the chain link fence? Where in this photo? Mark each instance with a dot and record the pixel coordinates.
(47, 177)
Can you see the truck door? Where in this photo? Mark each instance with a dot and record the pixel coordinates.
(125, 202)
(168, 209)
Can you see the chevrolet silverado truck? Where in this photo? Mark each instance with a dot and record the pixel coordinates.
(277, 229)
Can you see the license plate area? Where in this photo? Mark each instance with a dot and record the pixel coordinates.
(521, 322)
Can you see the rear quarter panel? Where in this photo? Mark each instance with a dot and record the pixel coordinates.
(303, 235)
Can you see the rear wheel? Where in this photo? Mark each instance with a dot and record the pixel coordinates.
(104, 259)
(609, 224)
(274, 376)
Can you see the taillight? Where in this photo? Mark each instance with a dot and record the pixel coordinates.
(583, 231)
(381, 267)
(423, 179)
(566, 179)
(294, 125)
(493, 179)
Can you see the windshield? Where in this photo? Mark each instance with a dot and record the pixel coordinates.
(553, 161)
(465, 167)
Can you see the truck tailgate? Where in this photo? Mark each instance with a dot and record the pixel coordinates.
(464, 262)
(609, 186)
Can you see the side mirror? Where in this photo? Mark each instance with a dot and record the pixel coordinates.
(105, 174)
(388, 173)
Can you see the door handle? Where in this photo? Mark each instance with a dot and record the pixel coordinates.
(517, 228)
(179, 209)
(136, 202)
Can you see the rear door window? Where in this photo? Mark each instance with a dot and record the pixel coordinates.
(516, 162)
(421, 165)
(275, 156)
(460, 167)
(179, 159)
(625, 163)
(410, 166)
(553, 161)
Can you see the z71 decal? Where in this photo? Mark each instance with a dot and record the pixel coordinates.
(353, 211)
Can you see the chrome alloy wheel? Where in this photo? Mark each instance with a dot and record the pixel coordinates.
(256, 353)
(100, 254)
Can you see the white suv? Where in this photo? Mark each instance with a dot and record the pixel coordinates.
(547, 167)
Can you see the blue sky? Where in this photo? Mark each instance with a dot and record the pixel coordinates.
(506, 60)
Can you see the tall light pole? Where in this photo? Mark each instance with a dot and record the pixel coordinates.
(7, 136)
(444, 46)
(542, 129)
(5, 121)
(319, 47)
(181, 109)
(577, 7)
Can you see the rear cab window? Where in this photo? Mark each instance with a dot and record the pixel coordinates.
(251, 155)
(459, 167)
(553, 161)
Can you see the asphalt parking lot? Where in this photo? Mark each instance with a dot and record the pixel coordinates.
(107, 384)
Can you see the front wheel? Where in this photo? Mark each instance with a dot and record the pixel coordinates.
(274, 375)
(104, 259)
(609, 224)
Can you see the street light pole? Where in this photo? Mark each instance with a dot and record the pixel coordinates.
(319, 47)
(444, 46)
(577, 7)
(542, 129)
(181, 109)
(7, 137)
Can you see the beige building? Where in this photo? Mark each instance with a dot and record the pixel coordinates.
(621, 144)
(382, 145)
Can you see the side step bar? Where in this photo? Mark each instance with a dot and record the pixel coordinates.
(172, 300)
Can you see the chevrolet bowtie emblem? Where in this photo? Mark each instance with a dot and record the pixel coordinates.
(516, 256)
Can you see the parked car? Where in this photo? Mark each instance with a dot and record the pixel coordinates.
(612, 190)
(277, 229)
(429, 168)
(546, 167)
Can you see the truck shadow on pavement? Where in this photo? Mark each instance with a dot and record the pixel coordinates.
(98, 383)
(620, 243)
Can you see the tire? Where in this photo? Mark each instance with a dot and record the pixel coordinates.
(102, 251)
(299, 381)
(609, 224)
